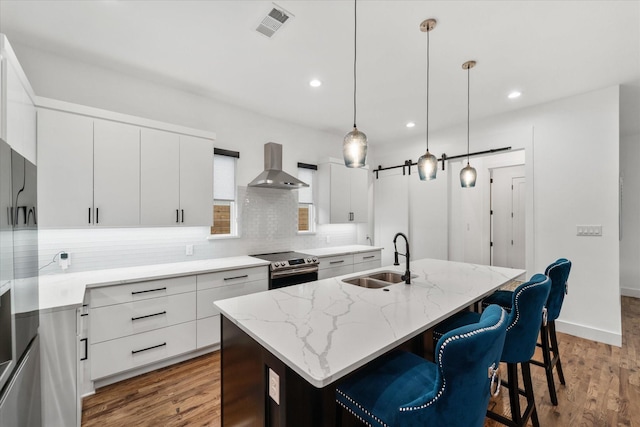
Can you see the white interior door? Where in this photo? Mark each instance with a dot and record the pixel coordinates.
(507, 202)
(391, 194)
(518, 198)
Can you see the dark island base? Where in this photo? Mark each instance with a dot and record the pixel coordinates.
(245, 387)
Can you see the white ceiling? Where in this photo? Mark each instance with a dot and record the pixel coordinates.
(546, 49)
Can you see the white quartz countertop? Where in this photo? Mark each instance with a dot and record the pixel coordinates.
(58, 291)
(340, 250)
(326, 329)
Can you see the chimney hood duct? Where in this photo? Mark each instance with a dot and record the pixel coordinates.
(273, 176)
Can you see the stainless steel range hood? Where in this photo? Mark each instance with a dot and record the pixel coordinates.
(273, 176)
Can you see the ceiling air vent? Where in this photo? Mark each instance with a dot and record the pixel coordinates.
(274, 20)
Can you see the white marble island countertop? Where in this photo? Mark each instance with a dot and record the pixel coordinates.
(61, 291)
(326, 329)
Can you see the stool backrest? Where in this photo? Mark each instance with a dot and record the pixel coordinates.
(558, 272)
(462, 386)
(525, 319)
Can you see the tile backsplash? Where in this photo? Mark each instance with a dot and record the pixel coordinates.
(267, 220)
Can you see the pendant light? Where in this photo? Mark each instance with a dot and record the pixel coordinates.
(427, 163)
(468, 174)
(354, 147)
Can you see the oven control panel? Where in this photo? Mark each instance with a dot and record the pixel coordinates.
(298, 262)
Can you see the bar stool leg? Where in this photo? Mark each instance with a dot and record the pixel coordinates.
(528, 387)
(514, 395)
(556, 353)
(548, 366)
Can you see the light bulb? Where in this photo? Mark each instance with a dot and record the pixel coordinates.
(354, 149)
(427, 166)
(468, 176)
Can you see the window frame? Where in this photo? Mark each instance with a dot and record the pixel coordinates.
(233, 211)
(312, 223)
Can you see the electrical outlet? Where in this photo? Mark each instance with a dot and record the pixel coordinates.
(64, 260)
(274, 386)
(189, 250)
(328, 239)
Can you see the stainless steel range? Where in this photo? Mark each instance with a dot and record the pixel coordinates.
(290, 268)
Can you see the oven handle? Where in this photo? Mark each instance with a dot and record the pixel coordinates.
(293, 272)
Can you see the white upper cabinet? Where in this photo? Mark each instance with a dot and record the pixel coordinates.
(342, 193)
(159, 178)
(65, 169)
(196, 181)
(17, 109)
(176, 179)
(116, 173)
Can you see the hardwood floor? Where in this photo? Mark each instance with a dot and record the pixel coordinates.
(603, 388)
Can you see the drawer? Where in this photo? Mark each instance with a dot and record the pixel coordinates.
(208, 331)
(119, 294)
(366, 257)
(123, 354)
(229, 277)
(336, 271)
(120, 320)
(370, 265)
(206, 297)
(335, 261)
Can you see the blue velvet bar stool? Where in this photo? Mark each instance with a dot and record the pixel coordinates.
(402, 389)
(558, 272)
(527, 306)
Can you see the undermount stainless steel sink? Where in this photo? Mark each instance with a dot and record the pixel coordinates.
(376, 280)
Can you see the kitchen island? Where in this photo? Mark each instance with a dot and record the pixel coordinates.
(311, 335)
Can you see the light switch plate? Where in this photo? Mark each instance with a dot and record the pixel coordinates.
(274, 386)
(189, 250)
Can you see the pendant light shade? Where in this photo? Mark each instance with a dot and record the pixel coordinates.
(427, 163)
(354, 146)
(468, 174)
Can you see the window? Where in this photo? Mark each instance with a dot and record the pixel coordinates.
(306, 212)
(224, 192)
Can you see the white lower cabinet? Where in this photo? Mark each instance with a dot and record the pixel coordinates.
(123, 354)
(367, 260)
(333, 266)
(222, 285)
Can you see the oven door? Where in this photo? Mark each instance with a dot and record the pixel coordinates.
(294, 276)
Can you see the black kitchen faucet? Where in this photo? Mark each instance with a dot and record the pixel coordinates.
(407, 274)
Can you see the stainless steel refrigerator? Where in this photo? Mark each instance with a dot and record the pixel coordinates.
(20, 395)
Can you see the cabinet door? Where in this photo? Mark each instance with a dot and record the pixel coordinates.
(196, 181)
(359, 192)
(116, 173)
(65, 169)
(20, 113)
(340, 193)
(159, 177)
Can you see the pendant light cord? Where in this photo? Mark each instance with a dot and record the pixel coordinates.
(468, 98)
(428, 31)
(355, 56)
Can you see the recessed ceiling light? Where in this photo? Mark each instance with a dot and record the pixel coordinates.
(515, 94)
(410, 124)
(315, 83)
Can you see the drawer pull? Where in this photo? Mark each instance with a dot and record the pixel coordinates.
(148, 348)
(86, 349)
(336, 262)
(368, 257)
(149, 290)
(148, 315)
(237, 277)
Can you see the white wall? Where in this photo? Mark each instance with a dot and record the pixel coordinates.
(572, 163)
(236, 129)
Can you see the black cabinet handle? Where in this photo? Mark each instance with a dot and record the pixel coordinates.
(336, 262)
(86, 349)
(89, 216)
(236, 277)
(177, 215)
(182, 215)
(368, 257)
(149, 290)
(148, 348)
(148, 315)
(97, 215)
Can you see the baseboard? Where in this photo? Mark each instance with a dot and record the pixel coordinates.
(589, 333)
(630, 292)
